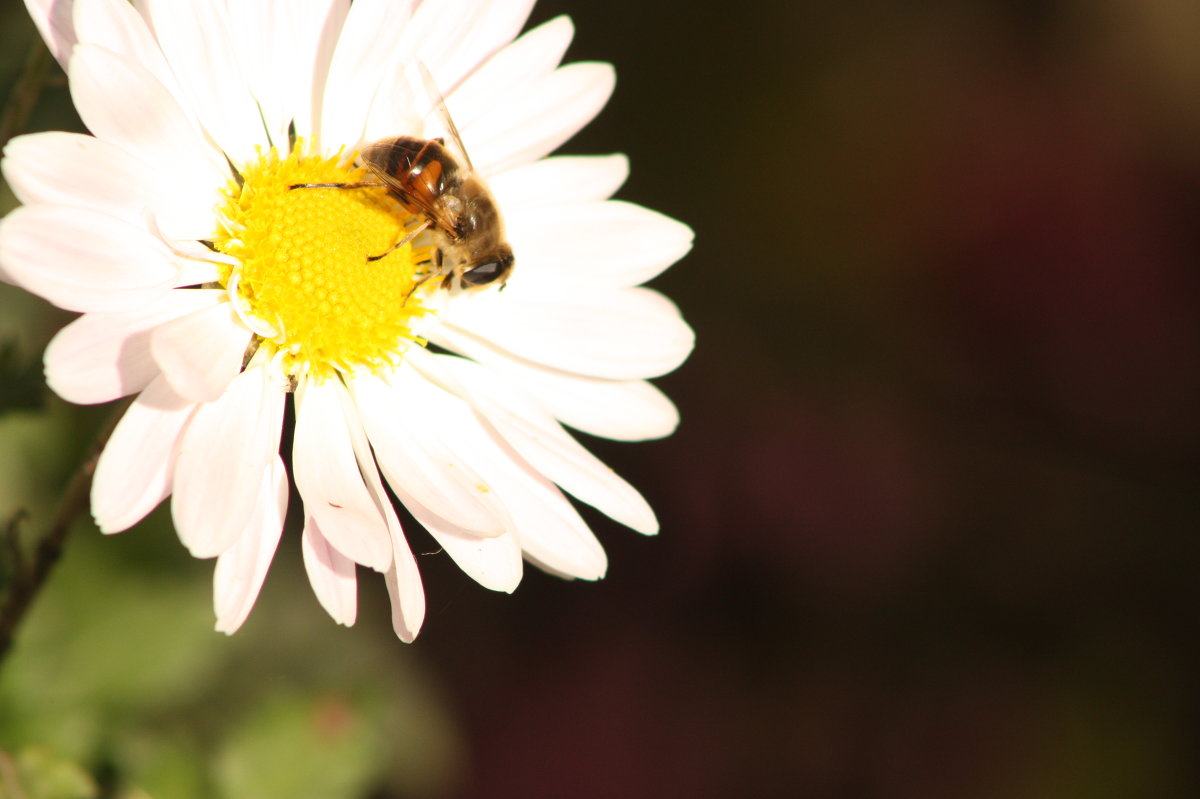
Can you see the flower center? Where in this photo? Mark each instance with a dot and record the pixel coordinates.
(319, 278)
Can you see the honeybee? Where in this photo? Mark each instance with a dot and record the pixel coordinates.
(455, 204)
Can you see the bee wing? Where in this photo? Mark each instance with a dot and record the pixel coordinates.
(453, 139)
(392, 161)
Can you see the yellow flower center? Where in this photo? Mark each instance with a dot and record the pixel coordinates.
(319, 278)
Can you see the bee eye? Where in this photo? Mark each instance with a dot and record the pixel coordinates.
(488, 272)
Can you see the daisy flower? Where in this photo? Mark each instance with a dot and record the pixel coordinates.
(225, 293)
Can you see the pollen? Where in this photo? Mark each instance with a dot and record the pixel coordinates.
(317, 274)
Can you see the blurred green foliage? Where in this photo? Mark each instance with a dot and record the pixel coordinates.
(118, 670)
(37, 773)
(22, 386)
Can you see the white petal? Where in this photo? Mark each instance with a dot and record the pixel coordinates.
(493, 562)
(397, 108)
(615, 244)
(84, 260)
(532, 120)
(552, 534)
(100, 357)
(540, 441)
(321, 26)
(102, 176)
(196, 40)
(277, 44)
(242, 568)
(626, 410)
(416, 461)
(366, 53)
(557, 181)
(147, 121)
(545, 524)
(406, 593)
(224, 452)
(116, 26)
(327, 477)
(330, 573)
(453, 37)
(439, 29)
(402, 577)
(182, 190)
(618, 334)
(54, 22)
(197, 264)
(201, 352)
(135, 470)
(529, 58)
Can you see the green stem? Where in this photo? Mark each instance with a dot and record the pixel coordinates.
(30, 574)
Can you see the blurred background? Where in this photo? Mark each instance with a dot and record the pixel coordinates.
(929, 526)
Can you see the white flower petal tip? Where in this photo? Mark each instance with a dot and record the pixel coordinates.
(535, 438)
(54, 22)
(419, 465)
(241, 569)
(135, 470)
(557, 182)
(596, 245)
(621, 334)
(540, 118)
(494, 563)
(631, 410)
(625, 410)
(405, 591)
(592, 574)
(331, 575)
(525, 61)
(101, 357)
(555, 538)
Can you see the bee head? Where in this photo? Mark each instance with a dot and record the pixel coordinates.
(493, 267)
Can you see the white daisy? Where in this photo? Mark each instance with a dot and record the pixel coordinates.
(213, 290)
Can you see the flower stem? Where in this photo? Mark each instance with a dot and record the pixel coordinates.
(29, 575)
(25, 92)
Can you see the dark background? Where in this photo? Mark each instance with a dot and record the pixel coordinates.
(929, 525)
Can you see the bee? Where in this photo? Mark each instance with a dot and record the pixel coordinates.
(440, 186)
(456, 204)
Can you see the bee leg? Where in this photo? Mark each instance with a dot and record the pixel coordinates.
(412, 235)
(361, 185)
(416, 285)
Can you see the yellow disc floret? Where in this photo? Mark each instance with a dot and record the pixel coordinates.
(318, 275)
